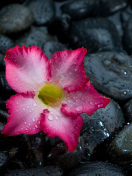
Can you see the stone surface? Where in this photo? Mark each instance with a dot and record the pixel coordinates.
(120, 148)
(33, 37)
(97, 169)
(44, 171)
(100, 126)
(15, 18)
(64, 159)
(5, 43)
(128, 111)
(95, 34)
(127, 39)
(110, 73)
(51, 47)
(2, 62)
(43, 10)
(79, 9)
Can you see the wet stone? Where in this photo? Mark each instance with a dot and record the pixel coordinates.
(43, 10)
(5, 43)
(110, 73)
(64, 159)
(2, 62)
(44, 171)
(7, 91)
(120, 148)
(95, 34)
(33, 37)
(97, 169)
(3, 158)
(127, 39)
(15, 18)
(125, 15)
(51, 47)
(60, 26)
(79, 9)
(100, 126)
(128, 111)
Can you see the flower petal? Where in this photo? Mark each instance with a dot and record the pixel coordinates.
(85, 100)
(26, 68)
(66, 128)
(68, 70)
(25, 115)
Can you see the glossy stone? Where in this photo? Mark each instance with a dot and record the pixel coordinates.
(33, 37)
(128, 111)
(95, 34)
(97, 169)
(127, 39)
(51, 47)
(5, 43)
(44, 171)
(79, 9)
(61, 157)
(110, 73)
(100, 126)
(15, 18)
(2, 62)
(120, 148)
(43, 10)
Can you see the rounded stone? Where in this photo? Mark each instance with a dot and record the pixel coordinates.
(43, 10)
(5, 43)
(51, 47)
(33, 37)
(15, 18)
(95, 34)
(110, 73)
(120, 148)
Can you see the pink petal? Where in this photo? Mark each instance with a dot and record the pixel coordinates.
(67, 69)
(25, 115)
(26, 68)
(65, 127)
(86, 100)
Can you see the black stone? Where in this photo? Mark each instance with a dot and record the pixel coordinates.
(128, 111)
(15, 18)
(43, 10)
(44, 171)
(100, 126)
(97, 169)
(6, 90)
(64, 159)
(3, 158)
(2, 62)
(127, 39)
(51, 47)
(79, 9)
(110, 73)
(120, 148)
(33, 37)
(5, 43)
(95, 34)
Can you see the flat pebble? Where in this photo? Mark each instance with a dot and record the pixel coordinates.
(15, 18)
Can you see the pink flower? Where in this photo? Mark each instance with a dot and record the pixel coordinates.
(50, 95)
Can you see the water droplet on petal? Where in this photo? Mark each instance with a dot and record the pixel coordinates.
(57, 117)
(34, 104)
(50, 117)
(25, 123)
(91, 103)
(79, 108)
(33, 119)
(23, 109)
(28, 107)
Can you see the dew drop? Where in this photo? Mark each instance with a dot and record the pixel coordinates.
(36, 126)
(25, 123)
(91, 103)
(33, 119)
(57, 117)
(79, 108)
(23, 109)
(28, 107)
(50, 117)
(34, 104)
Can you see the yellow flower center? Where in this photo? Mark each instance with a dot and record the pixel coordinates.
(51, 94)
